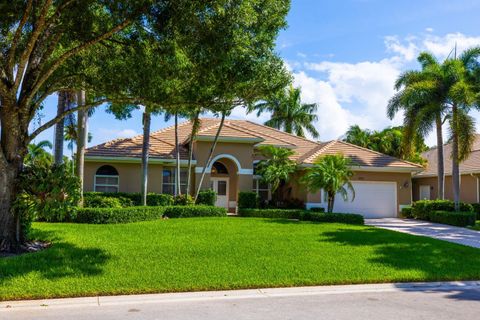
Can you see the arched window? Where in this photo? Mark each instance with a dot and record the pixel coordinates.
(220, 168)
(107, 179)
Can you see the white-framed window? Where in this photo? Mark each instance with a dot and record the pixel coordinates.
(107, 179)
(169, 180)
(262, 189)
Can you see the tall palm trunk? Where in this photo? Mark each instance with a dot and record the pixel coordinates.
(145, 148)
(440, 160)
(331, 202)
(210, 155)
(193, 133)
(455, 162)
(177, 149)
(59, 128)
(82, 142)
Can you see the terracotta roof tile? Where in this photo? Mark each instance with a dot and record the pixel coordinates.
(162, 144)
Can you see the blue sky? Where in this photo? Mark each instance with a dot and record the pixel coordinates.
(345, 55)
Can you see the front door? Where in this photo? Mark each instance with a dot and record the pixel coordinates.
(220, 186)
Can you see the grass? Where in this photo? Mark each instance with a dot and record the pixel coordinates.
(224, 253)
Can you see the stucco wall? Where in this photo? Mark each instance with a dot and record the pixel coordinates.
(243, 152)
(468, 188)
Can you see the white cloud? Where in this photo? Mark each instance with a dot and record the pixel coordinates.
(407, 52)
(109, 134)
(429, 29)
(443, 46)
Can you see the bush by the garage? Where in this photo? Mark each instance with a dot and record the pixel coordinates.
(118, 215)
(422, 209)
(348, 218)
(476, 209)
(207, 197)
(317, 209)
(407, 212)
(271, 213)
(459, 219)
(194, 211)
(247, 200)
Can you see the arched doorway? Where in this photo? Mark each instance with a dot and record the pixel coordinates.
(224, 180)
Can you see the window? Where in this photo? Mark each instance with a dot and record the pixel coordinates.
(168, 183)
(106, 179)
(262, 189)
(219, 167)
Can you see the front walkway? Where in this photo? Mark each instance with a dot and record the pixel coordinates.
(428, 229)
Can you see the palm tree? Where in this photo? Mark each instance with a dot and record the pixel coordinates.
(194, 117)
(422, 98)
(37, 154)
(289, 113)
(332, 174)
(357, 136)
(147, 118)
(277, 167)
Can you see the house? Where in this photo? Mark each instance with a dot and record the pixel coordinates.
(425, 183)
(382, 183)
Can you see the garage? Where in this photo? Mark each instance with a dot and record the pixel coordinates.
(373, 199)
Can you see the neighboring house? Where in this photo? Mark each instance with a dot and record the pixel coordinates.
(425, 184)
(382, 183)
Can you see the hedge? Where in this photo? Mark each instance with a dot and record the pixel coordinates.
(459, 219)
(194, 211)
(407, 212)
(153, 199)
(476, 209)
(118, 215)
(317, 209)
(271, 213)
(247, 200)
(422, 209)
(207, 197)
(305, 215)
(135, 214)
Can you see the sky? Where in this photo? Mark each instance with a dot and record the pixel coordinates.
(345, 56)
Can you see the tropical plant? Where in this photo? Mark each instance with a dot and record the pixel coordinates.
(389, 141)
(332, 174)
(277, 167)
(440, 92)
(38, 154)
(289, 113)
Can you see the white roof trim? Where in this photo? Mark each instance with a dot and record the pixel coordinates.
(374, 169)
(136, 160)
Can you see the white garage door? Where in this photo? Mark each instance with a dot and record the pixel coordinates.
(372, 200)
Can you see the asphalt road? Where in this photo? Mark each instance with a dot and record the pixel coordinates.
(345, 302)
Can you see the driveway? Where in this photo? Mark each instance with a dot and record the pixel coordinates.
(439, 301)
(428, 229)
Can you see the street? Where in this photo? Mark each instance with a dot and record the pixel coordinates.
(384, 301)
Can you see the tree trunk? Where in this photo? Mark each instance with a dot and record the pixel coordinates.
(193, 133)
(210, 155)
(331, 202)
(440, 160)
(455, 165)
(59, 128)
(10, 233)
(145, 149)
(177, 151)
(82, 142)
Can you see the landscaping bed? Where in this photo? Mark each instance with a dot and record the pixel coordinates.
(217, 253)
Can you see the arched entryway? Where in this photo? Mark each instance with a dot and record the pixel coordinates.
(224, 180)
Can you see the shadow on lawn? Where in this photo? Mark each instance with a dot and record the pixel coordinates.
(436, 259)
(62, 259)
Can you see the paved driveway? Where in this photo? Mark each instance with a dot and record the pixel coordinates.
(434, 230)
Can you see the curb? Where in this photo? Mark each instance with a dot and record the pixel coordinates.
(5, 306)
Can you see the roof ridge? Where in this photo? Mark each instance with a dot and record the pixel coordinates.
(319, 149)
(283, 132)
(379, 153)
(268, 135)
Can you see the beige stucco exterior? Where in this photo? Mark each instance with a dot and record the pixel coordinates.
(469, 187)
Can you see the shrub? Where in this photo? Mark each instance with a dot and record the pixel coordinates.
(348, 218)
(103, 202)
(183, 200)
(194, 211)
(207, 197)
(317, 209)
(118, 215)
(135, 199)
(247, 200)
(271, 213)
(407, 212)
(293, 204)
(476, 209)
(305, 215)
(459, 219)
(422, 209)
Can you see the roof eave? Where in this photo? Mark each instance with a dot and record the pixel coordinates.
(136, 160)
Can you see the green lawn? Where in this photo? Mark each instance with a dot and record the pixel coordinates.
(224, 253)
